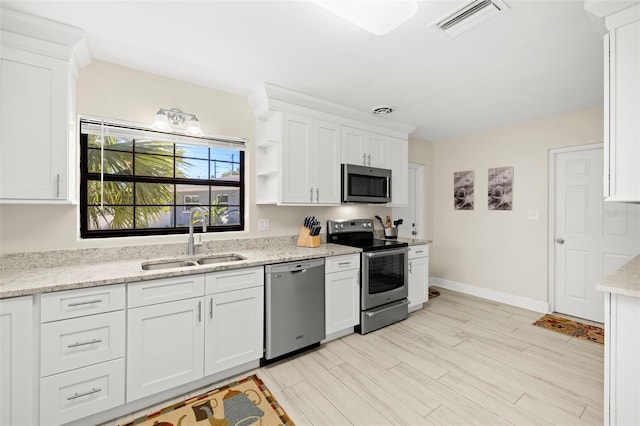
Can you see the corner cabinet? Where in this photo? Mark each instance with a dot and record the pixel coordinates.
(622, 106)
(38, 112)
(418, 276)
(298, 160)
(17, 361)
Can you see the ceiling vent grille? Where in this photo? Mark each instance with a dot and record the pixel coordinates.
(470, 15)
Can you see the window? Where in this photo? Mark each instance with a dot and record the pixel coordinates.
(140, 182)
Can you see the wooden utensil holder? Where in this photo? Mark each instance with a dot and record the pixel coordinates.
(305, 239)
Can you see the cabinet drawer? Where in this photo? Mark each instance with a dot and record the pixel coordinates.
(418, 251)
(80, 393)
(80, 342)
(342, 263)
(237, 279)
(165, 290)
(85, 301)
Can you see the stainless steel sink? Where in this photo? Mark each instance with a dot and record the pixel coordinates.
(220, 259)
(155, 265)
(169, 264)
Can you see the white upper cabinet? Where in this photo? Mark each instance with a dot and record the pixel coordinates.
(298, 160)
(622, 106)
(398, 161)
(37, 110)
(363, 148)
(302, 141)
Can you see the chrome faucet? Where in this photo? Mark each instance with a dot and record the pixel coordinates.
(191, 244)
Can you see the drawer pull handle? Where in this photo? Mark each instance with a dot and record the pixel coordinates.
(344, 263)
(88, 302)
(91, 342)
(211, 308)
(79, 395)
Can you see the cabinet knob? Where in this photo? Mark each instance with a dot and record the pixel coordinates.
(560, 240)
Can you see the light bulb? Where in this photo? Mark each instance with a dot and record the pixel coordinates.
(193, 127)
(161, 122)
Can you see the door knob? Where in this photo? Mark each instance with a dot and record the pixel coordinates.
(560, 240)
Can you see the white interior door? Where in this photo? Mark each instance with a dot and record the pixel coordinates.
(412, 227)
(591, 238)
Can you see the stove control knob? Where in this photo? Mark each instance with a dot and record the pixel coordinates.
(341, 226)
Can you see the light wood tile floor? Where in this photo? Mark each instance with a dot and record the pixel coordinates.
(460, 360)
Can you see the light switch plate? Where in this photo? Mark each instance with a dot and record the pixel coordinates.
(263, 224)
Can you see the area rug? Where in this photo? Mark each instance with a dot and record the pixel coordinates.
(243, 403)
(572, 328)
(433, 293)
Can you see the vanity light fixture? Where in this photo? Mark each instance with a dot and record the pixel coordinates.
(165, 118)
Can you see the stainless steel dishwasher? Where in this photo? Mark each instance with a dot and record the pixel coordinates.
(294, 311)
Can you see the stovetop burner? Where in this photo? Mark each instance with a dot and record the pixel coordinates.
(358, 233)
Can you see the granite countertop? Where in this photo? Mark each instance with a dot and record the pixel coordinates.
(20, 282)
(624, 280)
(42, 272)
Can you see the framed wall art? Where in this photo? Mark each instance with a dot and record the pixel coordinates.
(463, 190)
(500, 188)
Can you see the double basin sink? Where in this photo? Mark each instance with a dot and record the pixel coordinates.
(155, 265)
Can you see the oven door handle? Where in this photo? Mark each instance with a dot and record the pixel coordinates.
(390, 252)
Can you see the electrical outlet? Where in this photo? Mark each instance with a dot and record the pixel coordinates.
(263, 224)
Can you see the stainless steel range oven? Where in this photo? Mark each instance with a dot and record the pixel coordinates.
(384, 277)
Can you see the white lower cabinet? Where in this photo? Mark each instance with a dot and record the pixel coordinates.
(622, 365)
(16, 362)
(165, 346)
(177, 335)
(418, 276)
(342, 293)
(82, 347)
(234, 329)
(81, 392)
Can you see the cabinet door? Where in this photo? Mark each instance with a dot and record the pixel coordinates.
(234, 329)
(398, 162)
(165, 346)
(16, 361)
(327, 165)
(376, 148)
(342, 301)
(353, 146)
(297, 154)
(623, 112)
(33, 126)
(418, 281)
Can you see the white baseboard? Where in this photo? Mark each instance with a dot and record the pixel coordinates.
(496, 296)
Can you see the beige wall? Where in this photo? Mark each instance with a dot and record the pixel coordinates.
(117, 92)
(502, 250)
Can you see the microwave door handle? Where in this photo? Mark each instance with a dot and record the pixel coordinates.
(381, 253)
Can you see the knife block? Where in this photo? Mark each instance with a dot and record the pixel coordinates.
(306, 240)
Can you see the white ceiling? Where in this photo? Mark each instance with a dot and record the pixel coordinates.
(540, 58)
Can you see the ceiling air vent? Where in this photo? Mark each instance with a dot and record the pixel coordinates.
(469, 15)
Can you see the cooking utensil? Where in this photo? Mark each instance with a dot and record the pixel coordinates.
(391, 233)
(381, 221)
(388, 222)
(398, 222)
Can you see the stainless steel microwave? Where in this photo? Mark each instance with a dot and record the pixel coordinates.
(362, 184)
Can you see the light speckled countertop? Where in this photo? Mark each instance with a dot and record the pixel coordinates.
(42, 272)
(624, 280)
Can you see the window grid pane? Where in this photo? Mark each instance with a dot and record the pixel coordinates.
(150, 186)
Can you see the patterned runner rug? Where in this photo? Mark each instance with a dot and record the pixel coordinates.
(572, 328)
(433, 293)
(245, 402)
